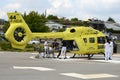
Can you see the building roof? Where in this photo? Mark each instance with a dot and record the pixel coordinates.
(114, 26)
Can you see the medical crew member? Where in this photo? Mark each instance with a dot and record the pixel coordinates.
(46, 48)
(107, 49)
(63, 50)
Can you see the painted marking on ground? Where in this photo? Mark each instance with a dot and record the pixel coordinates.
(34, 68)
(65, 60)
(62, 59)
(88, 76)
(115, 61)
(32, 57)
(34, 53)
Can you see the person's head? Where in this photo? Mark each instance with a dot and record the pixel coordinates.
(61, 39)
(50, 45)
(55, 40)
(108, 41)
(106, 37)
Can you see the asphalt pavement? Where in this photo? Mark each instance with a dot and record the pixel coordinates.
(24, 66)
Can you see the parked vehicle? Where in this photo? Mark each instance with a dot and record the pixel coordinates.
(34, 42)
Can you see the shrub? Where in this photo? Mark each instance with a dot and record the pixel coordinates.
(6, 46)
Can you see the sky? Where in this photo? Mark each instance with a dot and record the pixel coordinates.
(81, 9)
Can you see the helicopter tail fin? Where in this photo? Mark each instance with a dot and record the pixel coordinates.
(15, 17)
(18, 33)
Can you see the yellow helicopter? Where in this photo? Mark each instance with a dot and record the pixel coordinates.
(87, 40)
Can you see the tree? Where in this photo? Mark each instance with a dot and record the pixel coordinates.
(76, 22)
(52, 17)
(74, 19)
(36, 22)
(111, 20)
(6, 26)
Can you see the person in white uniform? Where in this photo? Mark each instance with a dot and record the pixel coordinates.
(46, 54)
(107, 49)
(63, 50)
(51, 51)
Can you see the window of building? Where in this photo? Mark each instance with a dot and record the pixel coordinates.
(54, 26)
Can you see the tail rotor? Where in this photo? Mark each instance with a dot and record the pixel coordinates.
(18, 33)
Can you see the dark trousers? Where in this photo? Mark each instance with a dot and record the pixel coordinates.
(59, 54)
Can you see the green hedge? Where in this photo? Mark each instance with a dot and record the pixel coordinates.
(6, 46)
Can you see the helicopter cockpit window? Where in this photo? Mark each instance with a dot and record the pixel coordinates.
(85, 40)
(72, 30)
(101, 40)
(92, 40)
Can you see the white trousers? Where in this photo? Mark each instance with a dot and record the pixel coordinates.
(111, 53)
(63, 52)
(107, 55)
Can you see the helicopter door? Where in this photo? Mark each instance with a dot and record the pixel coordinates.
(91, 45)
(71, 45)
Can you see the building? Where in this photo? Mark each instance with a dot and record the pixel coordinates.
(114, 26)
(54, 25)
